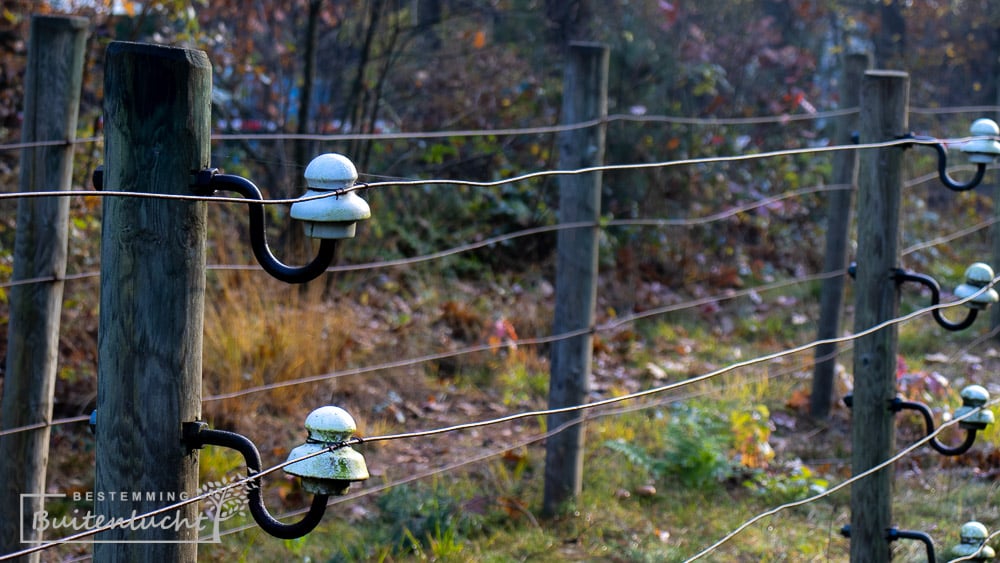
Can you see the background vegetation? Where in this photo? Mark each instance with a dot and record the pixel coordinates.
(661, 482)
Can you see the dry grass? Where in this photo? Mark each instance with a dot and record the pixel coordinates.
(258, 333)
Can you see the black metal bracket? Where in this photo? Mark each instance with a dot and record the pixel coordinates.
(97, 177)
(210, 180)
(197, 435)
(893, 534)
(902, 276)
(942, 151)
(898, 404)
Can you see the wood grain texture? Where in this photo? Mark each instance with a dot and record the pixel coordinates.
(838, 223)
(585, 97)
(884, 99)
(157, 110)
(52, 100)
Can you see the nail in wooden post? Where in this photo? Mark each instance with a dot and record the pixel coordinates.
(51, 106)
(585, 97)
(157, 117)
(884, 99)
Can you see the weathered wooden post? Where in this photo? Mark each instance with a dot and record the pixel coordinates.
(838, 222)
(995, 232)
(157, 119)
(585, 97)
(884, 100)
(51, 105)
(995, 239)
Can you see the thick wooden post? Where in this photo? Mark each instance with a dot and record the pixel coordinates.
(51, 105)
(838, 222)
(157, 119)
(884, 99)
(585, 97)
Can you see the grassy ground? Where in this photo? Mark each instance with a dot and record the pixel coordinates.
(664, 478)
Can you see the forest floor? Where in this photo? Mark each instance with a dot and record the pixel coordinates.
(664, 476)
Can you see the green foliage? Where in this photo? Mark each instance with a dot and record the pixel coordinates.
(697, 451)
(781, 486)
(522, 383)
(217, 463)
(425, 521)
(750, 433)
(701, 448)
(417, 222)
(295, 546)
(439, 544)
(711, 58)
(694, 449)
(6, 270)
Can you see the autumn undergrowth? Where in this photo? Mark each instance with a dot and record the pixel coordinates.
(664, 476)
(258, 333)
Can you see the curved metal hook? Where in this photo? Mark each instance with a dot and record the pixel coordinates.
(893, 534)
(212, 180)
(970, 433)
(198, 435)
(932, 284)
(947, 180)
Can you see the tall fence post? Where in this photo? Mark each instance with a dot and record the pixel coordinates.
(157, 118)
(51, 106)
(838, 223)
(884, 100)
(995, 230)
(585, 97)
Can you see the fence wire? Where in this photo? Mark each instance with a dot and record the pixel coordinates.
(571, 409)
(855, 478)
(781, 119)
(584, 409)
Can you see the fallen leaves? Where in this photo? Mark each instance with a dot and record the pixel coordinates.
(799, 400)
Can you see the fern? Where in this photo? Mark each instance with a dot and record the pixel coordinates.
(636, 456)
(695, 449)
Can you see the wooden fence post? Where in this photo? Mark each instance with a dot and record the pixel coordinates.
(585, 97)
(995, 230)
(51, 106)
(838, 222)
(884, 100)
(157, 111)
